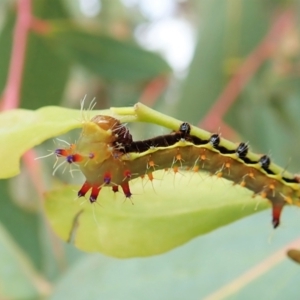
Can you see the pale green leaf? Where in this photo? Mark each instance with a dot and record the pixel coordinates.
(166, 213)
(21, 130)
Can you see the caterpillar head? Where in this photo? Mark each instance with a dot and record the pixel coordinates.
(99, 140)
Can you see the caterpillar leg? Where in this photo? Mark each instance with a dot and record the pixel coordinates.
(86, 187)
(96, 190)
(276, 212)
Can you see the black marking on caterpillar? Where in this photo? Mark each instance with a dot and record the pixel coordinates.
(265, 162)
(242, 150)
(185, 130)
(215, 140)
(108, 156)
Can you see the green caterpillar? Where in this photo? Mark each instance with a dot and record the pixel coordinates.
(107, 156)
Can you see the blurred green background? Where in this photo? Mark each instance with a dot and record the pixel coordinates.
(228, 65)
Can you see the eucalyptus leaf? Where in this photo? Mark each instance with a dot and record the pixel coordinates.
(21, 130)
(106, 56)
(167, 212)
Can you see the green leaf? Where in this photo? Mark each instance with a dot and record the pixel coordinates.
(18, 278)
(166, 213)
(108, 57)
(23, 129)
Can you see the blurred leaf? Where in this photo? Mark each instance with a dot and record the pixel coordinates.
(167, 213)
(6, 46)
(108, 57)
(226, 36)
(45, 75)
(189, 271)
(21, 224)
(45, 72)
(18, 278)
(55, 9)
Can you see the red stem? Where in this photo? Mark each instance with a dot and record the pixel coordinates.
(11, 99)
(11, 96)
(153, 90)
(246, 71)
(34, 170)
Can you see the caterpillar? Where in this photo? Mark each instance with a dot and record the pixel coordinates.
(108, 156)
